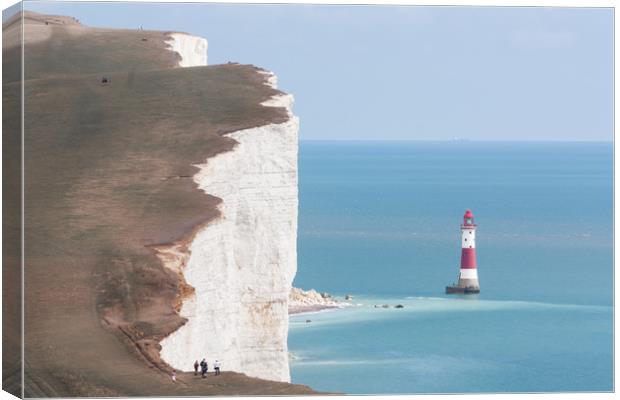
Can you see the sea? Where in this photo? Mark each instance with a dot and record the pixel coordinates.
(380, 221)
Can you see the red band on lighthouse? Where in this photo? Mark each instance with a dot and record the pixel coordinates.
(468, 258)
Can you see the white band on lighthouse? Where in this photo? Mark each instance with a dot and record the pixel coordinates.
(468, 239)
(469, 273)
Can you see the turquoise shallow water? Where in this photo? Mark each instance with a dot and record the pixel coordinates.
(380, 220)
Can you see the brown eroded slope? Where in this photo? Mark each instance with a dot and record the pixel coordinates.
(108, 175)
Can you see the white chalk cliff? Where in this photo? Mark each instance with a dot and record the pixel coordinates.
(192, 49)
(242, 264)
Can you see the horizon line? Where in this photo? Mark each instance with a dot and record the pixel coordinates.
(456, 141)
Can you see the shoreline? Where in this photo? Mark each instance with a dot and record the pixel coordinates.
(313, 309)
(310, 302)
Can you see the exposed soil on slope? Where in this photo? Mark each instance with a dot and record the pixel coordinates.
(107, 177)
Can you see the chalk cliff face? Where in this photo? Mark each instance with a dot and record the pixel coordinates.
(242, 264)
(192, 49)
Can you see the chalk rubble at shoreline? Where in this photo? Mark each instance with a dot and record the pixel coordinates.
(302, 301)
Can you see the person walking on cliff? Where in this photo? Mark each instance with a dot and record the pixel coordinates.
(174, 376)
(216, 367)
(204, 367)
(196, 365)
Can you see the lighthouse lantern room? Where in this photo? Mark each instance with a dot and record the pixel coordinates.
(468, 274)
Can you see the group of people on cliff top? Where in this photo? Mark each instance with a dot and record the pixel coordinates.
(204, 367)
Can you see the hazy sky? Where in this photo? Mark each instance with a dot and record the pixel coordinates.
(408, 72)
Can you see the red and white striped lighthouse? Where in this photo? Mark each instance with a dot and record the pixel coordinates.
(468, 276)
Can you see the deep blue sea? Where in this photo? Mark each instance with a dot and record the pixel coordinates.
(380, 221)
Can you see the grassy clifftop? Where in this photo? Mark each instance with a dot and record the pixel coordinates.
(58, 46)
(107, 174)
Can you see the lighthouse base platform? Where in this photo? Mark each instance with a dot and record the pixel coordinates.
(462, 289)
